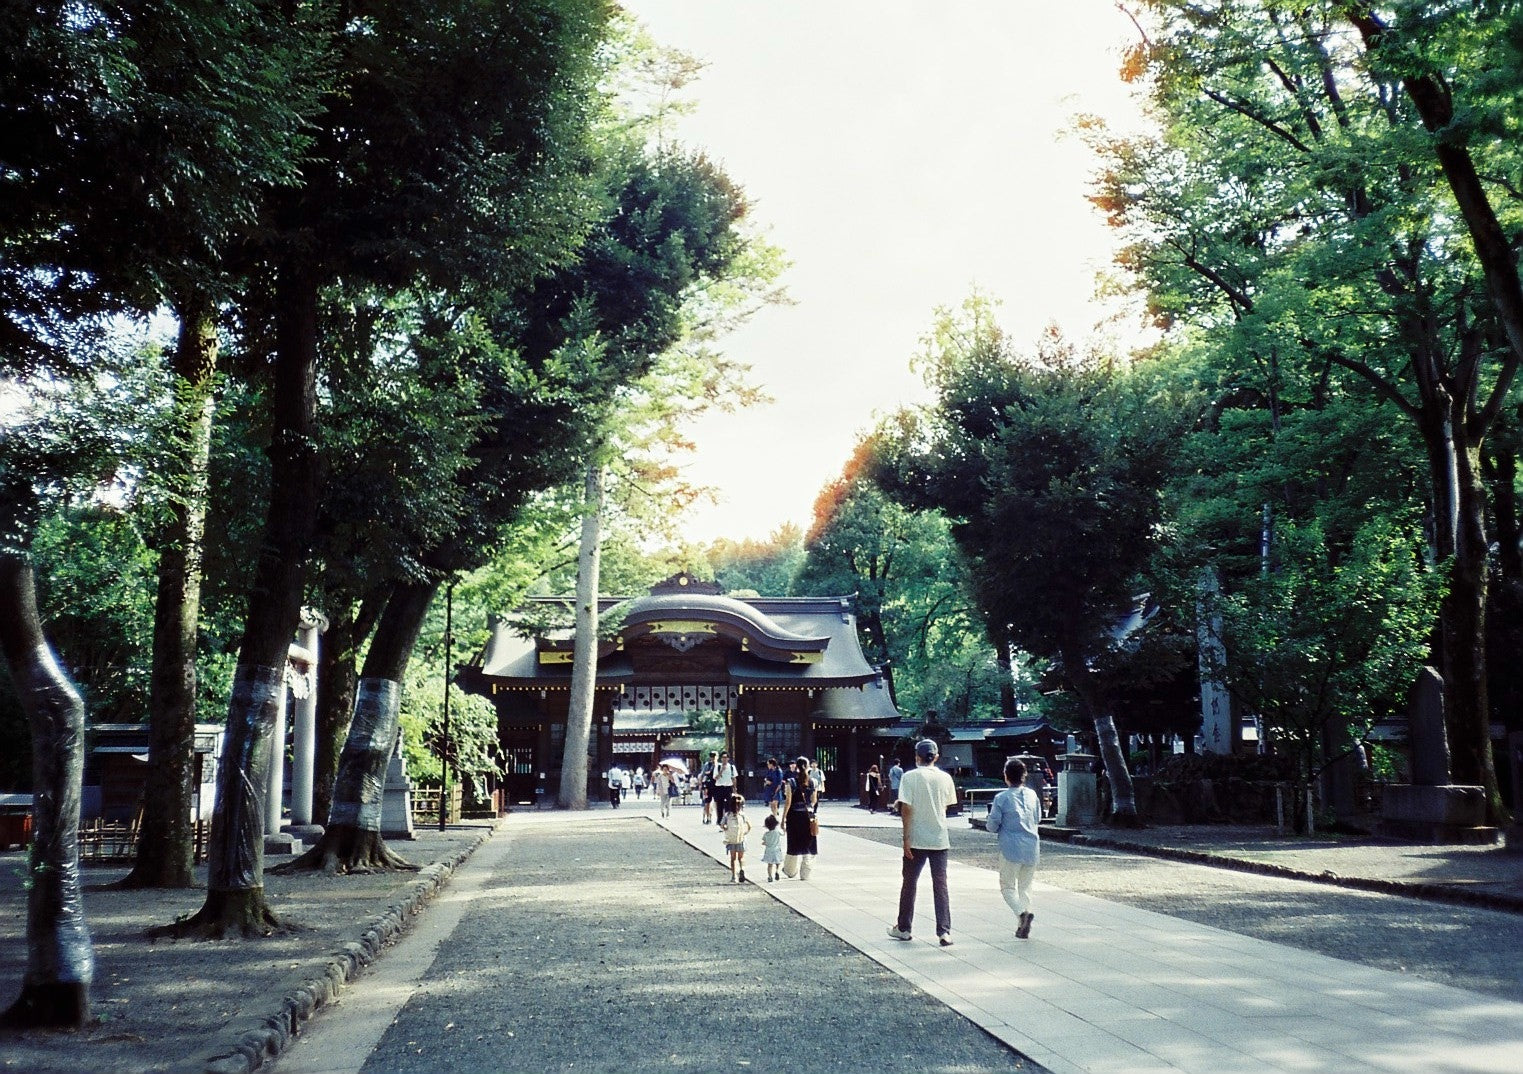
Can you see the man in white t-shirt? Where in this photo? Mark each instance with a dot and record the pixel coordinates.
(924, 796)
(724, 786)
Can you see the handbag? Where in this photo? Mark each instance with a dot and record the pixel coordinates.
(814, 825)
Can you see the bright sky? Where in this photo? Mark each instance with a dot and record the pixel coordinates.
(901, 152)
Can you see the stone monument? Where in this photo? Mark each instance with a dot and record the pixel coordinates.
(1078, 791)
(1430, 809)
(396, 799)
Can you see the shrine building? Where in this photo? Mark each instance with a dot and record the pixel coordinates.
(786, 675)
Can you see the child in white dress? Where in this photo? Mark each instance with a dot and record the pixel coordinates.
(736, 827)
(772, 847)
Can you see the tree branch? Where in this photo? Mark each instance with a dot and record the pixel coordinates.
(1378, 382)
(1263, 121)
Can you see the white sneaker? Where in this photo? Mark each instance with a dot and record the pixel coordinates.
(895, 932)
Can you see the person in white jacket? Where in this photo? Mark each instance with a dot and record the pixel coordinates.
(1015, 817)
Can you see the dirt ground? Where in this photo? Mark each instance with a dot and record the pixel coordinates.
(170, 1006)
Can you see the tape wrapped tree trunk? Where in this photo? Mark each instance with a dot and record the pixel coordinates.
(235, 901)
(60, 965)
(352, 840)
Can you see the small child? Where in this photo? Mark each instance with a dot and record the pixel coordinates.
(772, 847)
(736, 828)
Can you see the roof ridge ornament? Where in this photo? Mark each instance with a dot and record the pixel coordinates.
(686, 582)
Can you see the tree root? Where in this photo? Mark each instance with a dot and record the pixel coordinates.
(344, 848)
(225, 913)
(53, 1006)
(138, 880)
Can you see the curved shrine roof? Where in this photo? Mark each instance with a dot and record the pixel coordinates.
(770, 642)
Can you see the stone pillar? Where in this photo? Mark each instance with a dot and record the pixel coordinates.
(304, 734)
(1218, 730)
(1425, 730)
(276, 785)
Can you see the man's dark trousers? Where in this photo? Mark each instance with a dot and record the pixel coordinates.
(911, 880)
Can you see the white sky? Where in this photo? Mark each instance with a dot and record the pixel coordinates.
(901, 152)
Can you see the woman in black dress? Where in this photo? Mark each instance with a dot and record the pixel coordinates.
(799, 802)
(872, 786)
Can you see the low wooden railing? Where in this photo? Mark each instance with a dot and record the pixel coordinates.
(116, 840)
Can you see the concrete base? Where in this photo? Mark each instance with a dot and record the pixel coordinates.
(308, 834)
(1412, 831)
(1441, 815)
(281, 843)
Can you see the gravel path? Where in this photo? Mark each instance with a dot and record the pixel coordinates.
(612, 946)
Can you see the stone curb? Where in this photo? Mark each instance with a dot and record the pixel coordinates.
(1511, 904)
(251, 1049)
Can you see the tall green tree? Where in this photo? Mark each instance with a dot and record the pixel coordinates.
(1052, 468)
(912, 609)
(102, 209)
(236, 85)
(443, 156)
(1316, 197)
(553, 359)
(1312, 609)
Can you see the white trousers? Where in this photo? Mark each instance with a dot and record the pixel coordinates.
(1015, 885)
(797, 865)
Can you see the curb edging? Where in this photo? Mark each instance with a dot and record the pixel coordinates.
(253, 1048)
(1511, 904)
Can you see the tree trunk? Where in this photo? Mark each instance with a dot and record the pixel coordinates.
(872, 626)
(1097, 705)
(1467, 707)
(352, 840)
(60, 963)
(235, 881)
(166, 846)
(1002, 658)
(584, 666)
(1459, 526)
(337, 684)
(337, 676)
(1465, 609)
(1123, 796)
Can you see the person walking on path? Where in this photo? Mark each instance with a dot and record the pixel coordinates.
(772, 781)
(772, 847)
(661, 787)
(1015, 817)
(872, 786)
(924, 795)
(615, 785)
(895, 775)
(724, 786)
(706, 785)
(799, 802)
(736, 828)
(817, 777)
